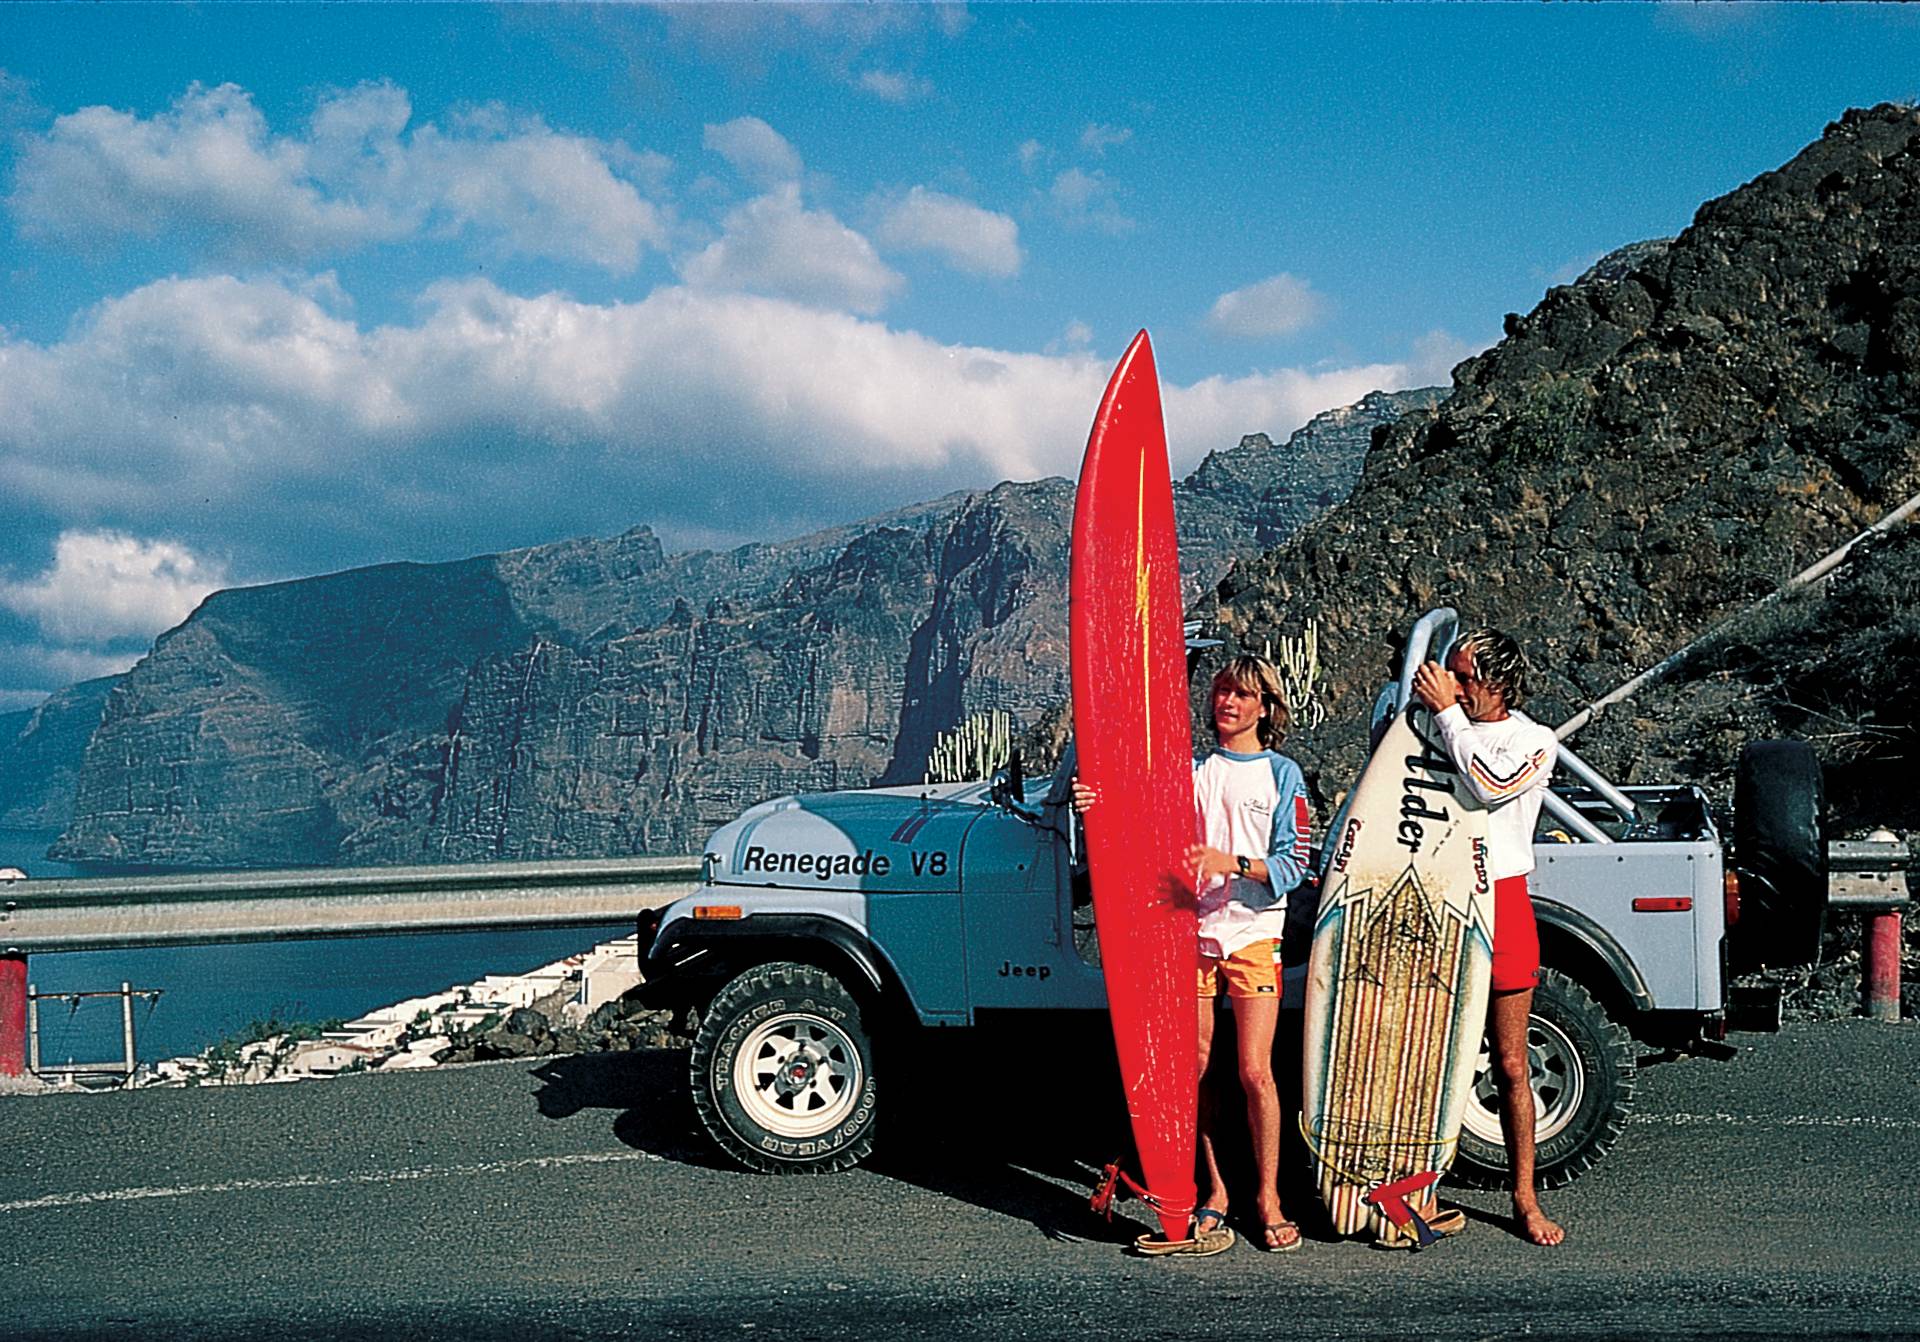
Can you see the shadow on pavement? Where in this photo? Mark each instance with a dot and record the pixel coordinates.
(647, 1089)
(1019, 1122)
(1022, 1123)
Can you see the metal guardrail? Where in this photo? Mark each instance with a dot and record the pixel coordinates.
(38, 916)
(1869, 877)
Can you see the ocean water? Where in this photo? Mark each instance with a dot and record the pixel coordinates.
(211, 992)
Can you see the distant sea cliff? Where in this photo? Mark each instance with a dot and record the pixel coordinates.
(601, 697)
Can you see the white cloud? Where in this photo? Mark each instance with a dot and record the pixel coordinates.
(1435, 355)
(1076, 339)
(1031, 154)
(211, 168)
(1098, 139)
(1219, 410)
(47, 669)
(1082, 199)
(1277, 306)
(968, 237)
(833, 39)
(210, 162)
(775, 245)
(756, 151)
(544, 194)
(894, 86)
(270, 429)
(104, 586)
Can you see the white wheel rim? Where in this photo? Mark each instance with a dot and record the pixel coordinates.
(798, 1076)
(1555, 1073)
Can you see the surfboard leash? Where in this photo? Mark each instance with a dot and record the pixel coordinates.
(1368, 1181)
(1390, 1199)
(1107, 1193)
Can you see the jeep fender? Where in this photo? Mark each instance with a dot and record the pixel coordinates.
(678, 948)
(1600, 944)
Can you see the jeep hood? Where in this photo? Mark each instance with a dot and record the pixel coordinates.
(885, 839)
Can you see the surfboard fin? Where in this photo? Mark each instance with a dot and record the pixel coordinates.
(1392, 1201)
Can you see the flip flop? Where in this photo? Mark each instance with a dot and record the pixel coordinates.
(1287, 1232)
(1445, 1223)
(1207, 1220)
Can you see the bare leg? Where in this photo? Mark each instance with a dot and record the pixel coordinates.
(1254, 1021)
(1214, 1194)
(1507, 1020)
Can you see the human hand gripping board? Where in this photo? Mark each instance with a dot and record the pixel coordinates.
(1134, 745)
(1397, 982)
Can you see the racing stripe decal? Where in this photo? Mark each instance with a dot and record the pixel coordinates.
(1500, 785)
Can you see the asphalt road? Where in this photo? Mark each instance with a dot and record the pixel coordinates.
(1767, 1195)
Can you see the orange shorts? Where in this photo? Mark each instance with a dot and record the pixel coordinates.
(1516, 937)
(1251, 971)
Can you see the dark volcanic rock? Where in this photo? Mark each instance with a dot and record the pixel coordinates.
(1647, 452)
(1247, 499)
(600, 697)
(40, 752)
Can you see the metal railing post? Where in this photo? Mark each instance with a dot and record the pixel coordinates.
(126, 1023)
(1880, 976)
(1870, 877)
(13, 1014)
(33, 1031)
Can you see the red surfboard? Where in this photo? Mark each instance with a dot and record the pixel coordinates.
(1134, 743)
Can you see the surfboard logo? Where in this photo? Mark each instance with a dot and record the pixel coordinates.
(1429, 777)
(1344, 853)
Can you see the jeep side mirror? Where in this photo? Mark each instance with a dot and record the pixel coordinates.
(1010, 783)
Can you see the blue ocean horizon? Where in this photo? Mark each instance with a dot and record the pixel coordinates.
(209, 993)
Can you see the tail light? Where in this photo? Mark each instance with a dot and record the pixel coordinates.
(1730, 887)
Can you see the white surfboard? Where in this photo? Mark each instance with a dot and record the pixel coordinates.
(1397, 982)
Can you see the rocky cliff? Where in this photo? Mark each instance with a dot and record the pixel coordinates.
(601, 697)
(40, 753)
(1645, 454)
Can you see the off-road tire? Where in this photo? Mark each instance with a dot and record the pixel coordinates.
(1583, 1065)
(1779, 851)
(782, 1072)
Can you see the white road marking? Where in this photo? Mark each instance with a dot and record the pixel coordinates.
(54, 1200)
(322, 1180)
(1775, 1121)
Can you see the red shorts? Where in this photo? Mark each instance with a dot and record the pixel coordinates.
(1516, 938)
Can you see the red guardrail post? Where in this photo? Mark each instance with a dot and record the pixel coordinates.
(13, 1015)
(1881, 974)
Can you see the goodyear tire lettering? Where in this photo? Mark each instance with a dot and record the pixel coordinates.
(746, 1126)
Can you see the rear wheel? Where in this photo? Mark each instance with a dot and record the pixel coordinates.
(1581, 1066)
(1779, 851)
(782, 1072)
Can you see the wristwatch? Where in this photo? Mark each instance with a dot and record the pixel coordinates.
(1246, 866)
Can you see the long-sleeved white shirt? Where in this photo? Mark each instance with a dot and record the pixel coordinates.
(1507, 765)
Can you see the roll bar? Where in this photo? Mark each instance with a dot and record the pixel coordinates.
(1431, 639)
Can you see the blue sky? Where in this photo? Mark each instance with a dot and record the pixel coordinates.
(287, 289)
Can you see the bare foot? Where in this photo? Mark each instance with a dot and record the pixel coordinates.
(1535, 1227)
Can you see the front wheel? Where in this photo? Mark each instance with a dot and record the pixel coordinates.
(782, 1072)
(1581, 1065)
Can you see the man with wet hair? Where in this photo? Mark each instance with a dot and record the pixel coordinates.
(1506, 760)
